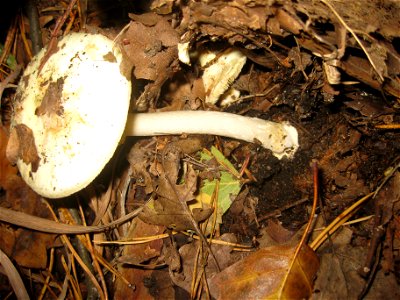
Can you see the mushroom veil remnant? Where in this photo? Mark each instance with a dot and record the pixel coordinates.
(71, 111)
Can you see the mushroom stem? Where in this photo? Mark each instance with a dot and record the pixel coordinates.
(280, 138)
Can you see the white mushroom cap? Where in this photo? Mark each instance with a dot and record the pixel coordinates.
(71, 113)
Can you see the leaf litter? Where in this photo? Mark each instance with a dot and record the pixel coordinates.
(305, 63)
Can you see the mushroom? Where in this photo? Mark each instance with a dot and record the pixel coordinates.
(71, 111)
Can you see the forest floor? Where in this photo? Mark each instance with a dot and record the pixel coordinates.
(330, 68)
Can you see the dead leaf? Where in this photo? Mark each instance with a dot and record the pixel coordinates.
(151, 47)
(188, 252)
(139, 253)
(338, 277)
(166, 209)
(262, 275)
(277, 232)
(139, 158)
(19, 243)
(8, 171)
(332, 280)
(21, 145)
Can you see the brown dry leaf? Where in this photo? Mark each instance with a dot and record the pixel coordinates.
(135, 254)
(338, 276)
(218, 18)
(264, 275)
(22, 145)
(166, 209)
(189, 254)
(151, 45)
(139, 158)
(367, 105)
(277, 232)
(18, 244)
(8, 171)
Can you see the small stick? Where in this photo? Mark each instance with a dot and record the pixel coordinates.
(52, 47)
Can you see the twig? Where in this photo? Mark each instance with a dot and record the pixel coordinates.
(47, 280)
(388, 126)
(27, 46)
(89, 246)
(339, 221)
(83, 253)
(51, 49)
(34, 26)
(10, 78)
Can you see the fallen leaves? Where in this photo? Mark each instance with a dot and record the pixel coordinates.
(219, 191)
(22, 146)
(18, 243)
(283, 73)
(151, 45)
(166, 209)
(8, 171)
(266, 274)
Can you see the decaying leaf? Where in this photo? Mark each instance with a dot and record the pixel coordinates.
(139, 160)
(18, 243)
(266, 274)
(8, 172)
(151, 46)
(190, 257)
(166, 208)
(137, 254)
(27, 247)
(22, 146)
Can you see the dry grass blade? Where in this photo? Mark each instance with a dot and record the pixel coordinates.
(13, 276)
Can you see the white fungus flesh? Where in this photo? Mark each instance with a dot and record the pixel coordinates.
(72, 107)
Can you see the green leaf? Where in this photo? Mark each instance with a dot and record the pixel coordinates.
(229, 185)
(11, 62)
